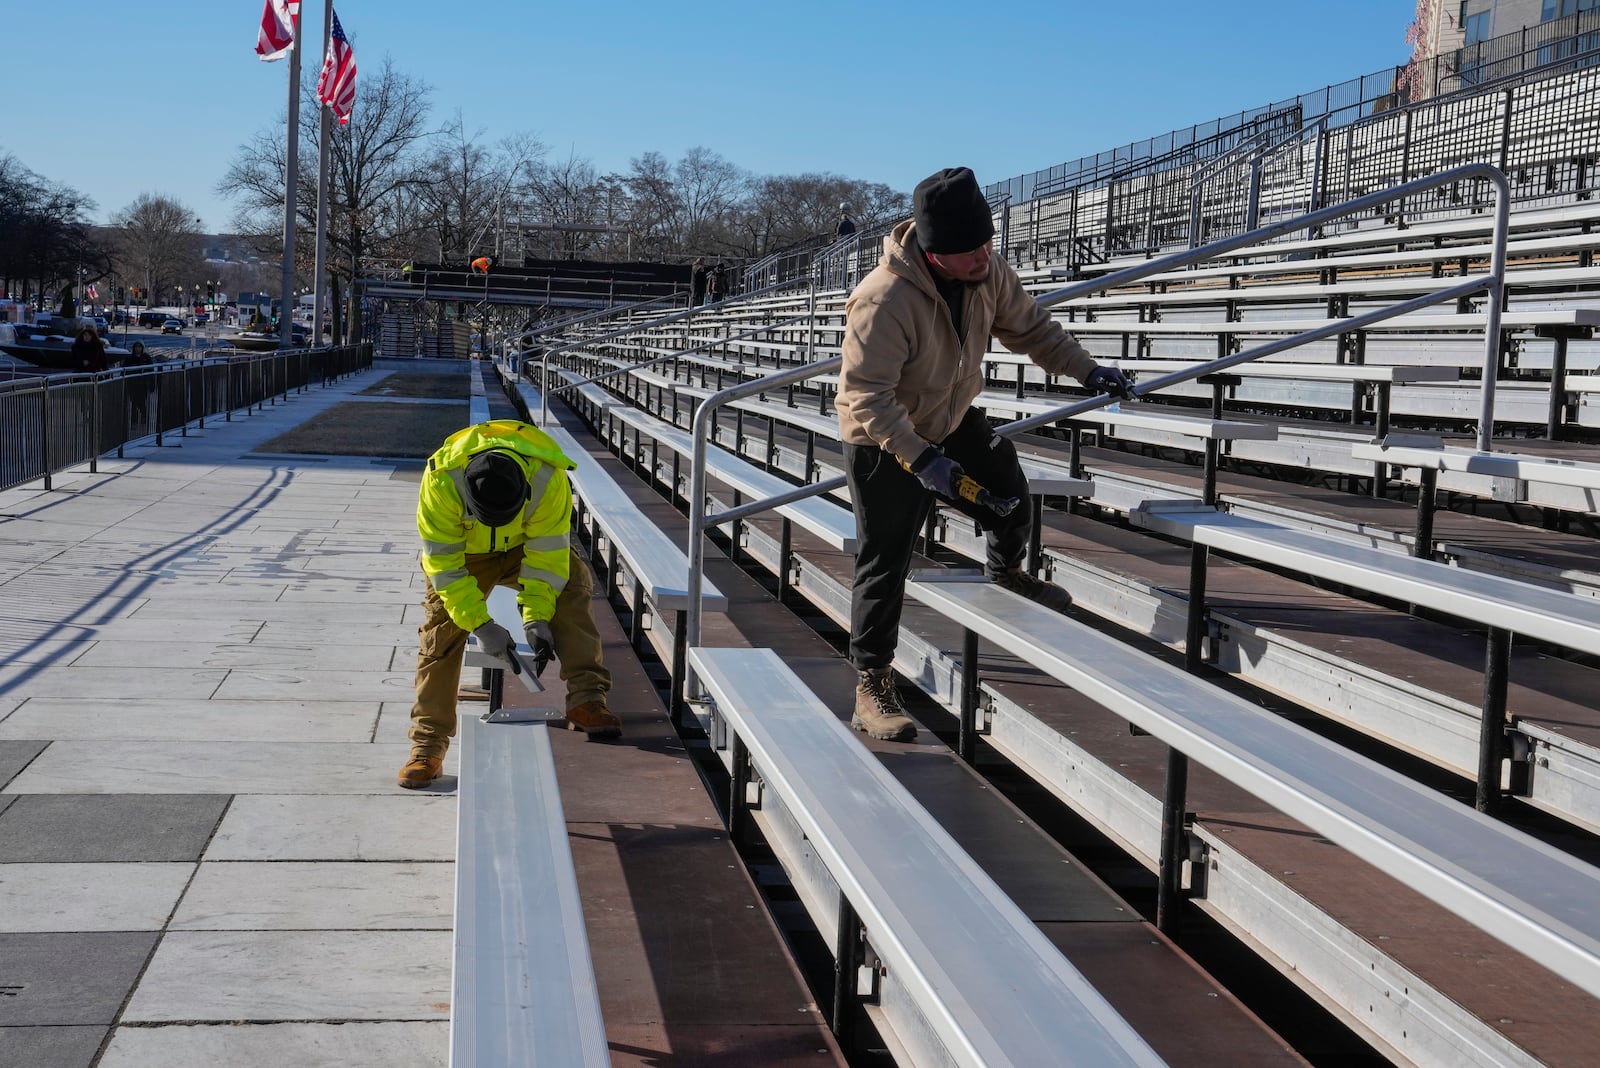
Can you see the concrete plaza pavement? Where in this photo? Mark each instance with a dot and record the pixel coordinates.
(206, 659)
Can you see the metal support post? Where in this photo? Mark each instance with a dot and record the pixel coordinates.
(846, 959)
(675, 707)
(1174, 844)
(967, 742)
(1422, 534)
(1492, 729)
(738, 810)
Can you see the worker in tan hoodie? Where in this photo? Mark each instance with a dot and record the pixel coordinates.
(916, 330)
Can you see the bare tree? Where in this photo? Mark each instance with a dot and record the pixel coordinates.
(373, 161)
(157, 243)
(46, 243)
(656, 205)
(458, 202)
(709, 188)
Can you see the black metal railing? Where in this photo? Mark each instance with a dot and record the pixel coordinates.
(49, 423)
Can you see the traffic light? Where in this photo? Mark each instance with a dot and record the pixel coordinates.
(211, 292)
(119, 295)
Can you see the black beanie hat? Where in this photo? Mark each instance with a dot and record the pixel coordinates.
(950, 212)
(496, 488)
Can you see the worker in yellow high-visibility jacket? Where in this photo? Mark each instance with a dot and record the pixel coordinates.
(495, 509)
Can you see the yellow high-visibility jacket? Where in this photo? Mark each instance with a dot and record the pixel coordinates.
(450, 533)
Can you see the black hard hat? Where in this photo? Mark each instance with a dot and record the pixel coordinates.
(496, 488)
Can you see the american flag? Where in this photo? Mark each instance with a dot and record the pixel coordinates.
(278, 20)
(336, 86)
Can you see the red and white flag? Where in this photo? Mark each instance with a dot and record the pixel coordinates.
(336, 86)
(278, 19)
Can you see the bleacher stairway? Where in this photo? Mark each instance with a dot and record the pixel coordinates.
(1378, 670)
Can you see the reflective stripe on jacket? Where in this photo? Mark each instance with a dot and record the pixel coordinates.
(450, 534)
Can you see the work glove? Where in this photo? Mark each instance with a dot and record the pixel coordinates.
(542, 643)
(496, 641)
(1110, 380)
(937, 472)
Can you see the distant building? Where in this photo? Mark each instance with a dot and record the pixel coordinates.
(1461, 44)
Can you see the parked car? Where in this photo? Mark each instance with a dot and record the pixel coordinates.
(172, 326)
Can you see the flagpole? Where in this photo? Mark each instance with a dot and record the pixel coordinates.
(324, 135)
(291, 185)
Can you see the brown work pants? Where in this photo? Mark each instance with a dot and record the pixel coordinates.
(442, 643)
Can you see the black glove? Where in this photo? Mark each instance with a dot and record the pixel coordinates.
(1110, 380)
(496, 641)
(937, 472)
(542, 643)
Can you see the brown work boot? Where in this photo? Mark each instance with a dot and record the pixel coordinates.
(421, 771)
(878, 709)
(1048, 594)
(595, 720)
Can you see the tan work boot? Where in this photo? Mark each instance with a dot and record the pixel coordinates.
(879, 712)
(595, 720)
(1048, 594)
(421, 771)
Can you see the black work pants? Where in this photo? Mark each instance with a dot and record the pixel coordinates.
(891, 507)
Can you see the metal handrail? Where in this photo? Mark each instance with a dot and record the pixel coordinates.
(678, 317)
(698, 520)
(677, 354)
(1493, 283)
(575, 320)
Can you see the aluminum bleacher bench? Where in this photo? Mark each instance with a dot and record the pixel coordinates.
(1567, 244)
(827, 521)
(1501, 476)
(964, 977)
(523, 990)
(1505, 606)
(1532, 896)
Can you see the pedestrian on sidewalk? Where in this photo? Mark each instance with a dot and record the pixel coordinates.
(89, 352)
(916, 329)
(495, 509)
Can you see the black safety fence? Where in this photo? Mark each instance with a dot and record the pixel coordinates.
(49, 423)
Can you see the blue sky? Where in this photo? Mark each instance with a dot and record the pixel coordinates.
(884, 91)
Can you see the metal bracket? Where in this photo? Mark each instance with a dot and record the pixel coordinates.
(505, 714)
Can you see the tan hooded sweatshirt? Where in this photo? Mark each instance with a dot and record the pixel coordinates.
(908, 379)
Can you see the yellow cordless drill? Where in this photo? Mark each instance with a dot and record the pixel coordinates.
(967, 488)
(960, 484)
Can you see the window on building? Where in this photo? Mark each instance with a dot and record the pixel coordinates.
(1559, 9)
(1476, 28)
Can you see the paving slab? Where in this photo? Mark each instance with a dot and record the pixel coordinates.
(409, 825)
(16, 755)
(194, 721)
(290, 896)
(322, 631)
(107, 828)
(19, 651)
(219, 608)
(126, 654)
(89, 897)
(131, 628)
(65, 979)
(347, 1045)
(50, 1047)
(37, 680)
(289, 682)
(266, 976)
(185, 767)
